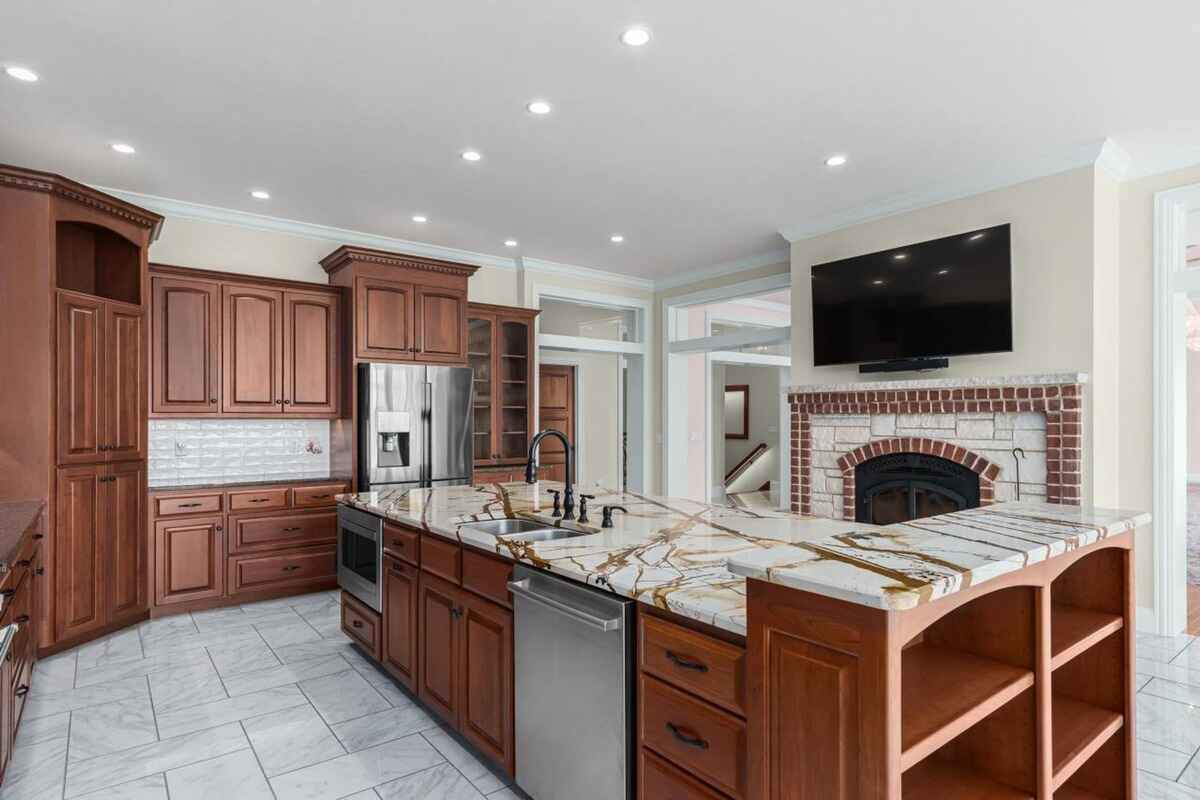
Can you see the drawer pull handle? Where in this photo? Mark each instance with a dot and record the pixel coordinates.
(21, 620)
(21, 691)
(398, 543)
(293, 529)
(24, 562)
(320, 497)
(260, 499)
(683, 662)
(687, 738)
(190, 505)
(396, 573)
(357, 623)
(291, 568)
(39, 536)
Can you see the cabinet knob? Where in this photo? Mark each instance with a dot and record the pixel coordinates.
(287, 402)
(40, 571)
(356, 623)
(219, 528)
(212, 400)
(290, 568)
(278, 402)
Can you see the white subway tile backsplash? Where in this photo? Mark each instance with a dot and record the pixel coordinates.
(187, 451)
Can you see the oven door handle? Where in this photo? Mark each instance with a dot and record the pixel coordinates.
(521, 588)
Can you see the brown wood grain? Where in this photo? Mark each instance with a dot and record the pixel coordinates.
(311, 362)
(400, 621)
(185, 321)
(252, 349)
(698, 737)
(189, 559)
(486, 704)
(361, 624)
(707, 667)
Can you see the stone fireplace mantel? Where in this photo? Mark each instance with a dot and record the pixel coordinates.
(1022, 435)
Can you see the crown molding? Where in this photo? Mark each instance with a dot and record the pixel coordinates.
(183, 209)
(57, 185)
(572, 271)
(780, 256)
(1091, 154)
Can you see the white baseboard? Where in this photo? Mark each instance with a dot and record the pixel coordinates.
(1146, 621)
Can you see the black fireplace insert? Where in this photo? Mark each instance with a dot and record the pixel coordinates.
(905, 486)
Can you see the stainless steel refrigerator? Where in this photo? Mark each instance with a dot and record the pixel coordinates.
(414, 426)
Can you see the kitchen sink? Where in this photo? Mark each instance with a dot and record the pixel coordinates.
(508, 527)
(546, 535)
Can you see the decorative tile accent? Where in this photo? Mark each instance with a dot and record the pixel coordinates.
(832, 430)
(234, 450)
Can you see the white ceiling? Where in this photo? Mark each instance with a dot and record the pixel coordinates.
(698, 147)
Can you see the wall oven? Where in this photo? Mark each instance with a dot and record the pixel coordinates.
(360, 555)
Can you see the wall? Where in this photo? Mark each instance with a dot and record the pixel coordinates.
(765, 396)
(236, 450)
(1058, 305)
(598, 431)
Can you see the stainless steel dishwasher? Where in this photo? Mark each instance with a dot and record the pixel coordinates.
(575, 689)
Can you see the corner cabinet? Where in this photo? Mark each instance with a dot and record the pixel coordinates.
(500, 351)
(245, 348)
(404, 308)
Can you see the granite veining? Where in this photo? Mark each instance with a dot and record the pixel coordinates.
(944, 383)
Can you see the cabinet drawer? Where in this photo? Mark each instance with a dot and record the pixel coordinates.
(258, 500)
(487, 577)
(694, 735)
(662, 781)
(281, 532)
(702, 665)
(254, 573)
(402, 542)
(361, 624)
(191, 504)
(317, 496)
(441, 557)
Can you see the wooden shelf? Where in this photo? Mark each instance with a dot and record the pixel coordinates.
(1079, 731)
(479, 355)
(944, 781)
(1074, 630)
(944, 692)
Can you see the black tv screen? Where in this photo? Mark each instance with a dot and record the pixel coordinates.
(945, 297)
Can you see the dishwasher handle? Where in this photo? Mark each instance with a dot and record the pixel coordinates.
(521, 589)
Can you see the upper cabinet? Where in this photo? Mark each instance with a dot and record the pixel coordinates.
(245, 348)
(405, 308)
(500, 353)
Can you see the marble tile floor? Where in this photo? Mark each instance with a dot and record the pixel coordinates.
(265, 700)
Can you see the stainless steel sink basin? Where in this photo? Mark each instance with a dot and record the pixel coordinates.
(546, 535)
(507, 527)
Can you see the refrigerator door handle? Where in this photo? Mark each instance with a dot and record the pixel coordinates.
(428, 434)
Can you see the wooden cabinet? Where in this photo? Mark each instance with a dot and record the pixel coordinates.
(500, 348)
(186, 345)
(20, 588)
(81, 388)
(100, 563)
(361, 624)
(400, 592)
(404, 308)
(125, 383)
(189, 559)
(252, 349)
(485, 653)
(282, 570)
(438, 673)
(243, 348)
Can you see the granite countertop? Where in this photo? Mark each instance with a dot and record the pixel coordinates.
(15, 518)
(234, 483)
(692, 558)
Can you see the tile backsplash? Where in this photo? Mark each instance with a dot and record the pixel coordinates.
(201, 451)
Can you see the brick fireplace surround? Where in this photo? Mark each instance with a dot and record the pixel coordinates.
(974, 422)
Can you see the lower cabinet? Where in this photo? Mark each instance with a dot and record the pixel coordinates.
(485, 654)
(400, 589)
(269, 571)
(190, 559)
(438, 613)
(20, 594)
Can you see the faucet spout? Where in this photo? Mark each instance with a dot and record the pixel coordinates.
(531, 467)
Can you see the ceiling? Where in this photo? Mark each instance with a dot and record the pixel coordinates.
(698, 147)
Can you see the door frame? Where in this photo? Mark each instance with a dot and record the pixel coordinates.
(561, 359)
(1173, 282)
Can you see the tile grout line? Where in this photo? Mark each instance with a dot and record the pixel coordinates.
(257, 760)
(67, 753)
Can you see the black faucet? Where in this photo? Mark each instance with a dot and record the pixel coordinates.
(531, 468)
(606, 520)
(583, 498)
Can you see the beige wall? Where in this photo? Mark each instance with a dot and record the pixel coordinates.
(765, 397)
(598, 431)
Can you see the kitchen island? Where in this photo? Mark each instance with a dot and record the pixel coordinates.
(985, 653)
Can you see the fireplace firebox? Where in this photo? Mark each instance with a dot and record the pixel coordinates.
(904, 486)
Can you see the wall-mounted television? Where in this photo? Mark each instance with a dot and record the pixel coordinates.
(945, 297)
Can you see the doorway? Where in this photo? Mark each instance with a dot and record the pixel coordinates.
(557, 410)
(746, 443)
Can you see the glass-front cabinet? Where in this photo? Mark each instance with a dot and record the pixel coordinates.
(500, 352)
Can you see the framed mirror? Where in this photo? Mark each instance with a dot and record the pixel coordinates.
(737, 411)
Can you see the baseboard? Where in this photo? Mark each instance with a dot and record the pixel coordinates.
(1146, 621)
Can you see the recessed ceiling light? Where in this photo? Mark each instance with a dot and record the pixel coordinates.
(260, 194)
(123, 149)
(471, 155)
(943, 272)
(877, 282)
(900, 257)
(616, 238)
(836, 161)
(510, 242)
(976, 237)
(538, 107)
(420, 218)
(21, 73)
(635, 36)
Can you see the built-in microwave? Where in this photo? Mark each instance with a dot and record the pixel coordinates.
(360, 555)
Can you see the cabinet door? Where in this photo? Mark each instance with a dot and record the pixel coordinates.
(185, 321)
(438, 675)
(80, 520)
(80, 383)
(441, 325)
(400, 627)
(189, 559)
(125, 559)
(310, 362)
(383, 320)
(514, 346)
(252, 350)
(486, 679)
(481, 358)
(124, 399)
